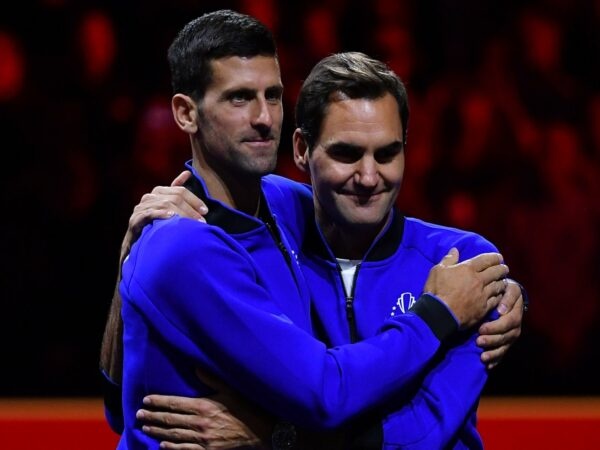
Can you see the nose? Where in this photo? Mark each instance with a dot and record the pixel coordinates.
(262, 117)
(367, 173)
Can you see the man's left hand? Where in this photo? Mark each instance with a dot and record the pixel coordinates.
(497, 336)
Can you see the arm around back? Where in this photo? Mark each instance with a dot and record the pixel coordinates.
(215, 312)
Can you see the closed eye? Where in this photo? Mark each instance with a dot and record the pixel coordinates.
(345, 153)
(388, 153)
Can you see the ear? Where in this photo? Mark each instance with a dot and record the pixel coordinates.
(185, 112)
(301, 155)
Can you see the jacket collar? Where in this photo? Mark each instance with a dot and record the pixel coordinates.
(385, 244)
(230, 220)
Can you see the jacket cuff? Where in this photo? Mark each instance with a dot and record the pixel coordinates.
(113, 407)
(436, 315)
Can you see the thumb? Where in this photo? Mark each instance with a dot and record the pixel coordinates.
(181, 178)
(451, 258)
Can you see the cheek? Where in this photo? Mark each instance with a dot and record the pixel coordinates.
(277, 116)
(394, 174)
(210, 121)
(330, 181)
(229, 119)
(324, 190)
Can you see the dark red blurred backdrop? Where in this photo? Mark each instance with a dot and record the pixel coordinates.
(504, 139)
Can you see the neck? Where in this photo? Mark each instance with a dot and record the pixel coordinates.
(349, 243)
(237, 192)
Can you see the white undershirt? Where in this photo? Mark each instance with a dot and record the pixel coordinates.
(348, 267)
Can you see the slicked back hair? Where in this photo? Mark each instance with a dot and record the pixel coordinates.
(350, 75)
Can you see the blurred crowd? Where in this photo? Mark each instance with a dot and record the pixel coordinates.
(503, 139)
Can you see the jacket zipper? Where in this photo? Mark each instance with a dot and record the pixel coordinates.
(350, 304)
(272, 227)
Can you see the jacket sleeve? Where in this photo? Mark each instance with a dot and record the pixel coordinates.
(212, 310)
(112, 403)
(443, 404)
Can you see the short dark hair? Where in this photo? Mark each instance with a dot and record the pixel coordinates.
(353, 75)
(214, 35)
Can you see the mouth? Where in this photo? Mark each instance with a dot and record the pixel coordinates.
(364, 198)
(259, 142)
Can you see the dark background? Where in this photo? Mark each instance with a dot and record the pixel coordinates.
(504, 139)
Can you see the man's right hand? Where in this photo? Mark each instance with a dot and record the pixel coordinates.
(162, 203)
(224, 421)
(194, 423)
(471, 288)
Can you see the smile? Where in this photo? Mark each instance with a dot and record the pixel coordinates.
(364, 198)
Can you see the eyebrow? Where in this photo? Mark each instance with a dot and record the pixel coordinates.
(343, 146)
(276, 89)
(249, 92)
(396, 145)
(246, 92)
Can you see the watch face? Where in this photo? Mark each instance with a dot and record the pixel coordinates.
(284, 436)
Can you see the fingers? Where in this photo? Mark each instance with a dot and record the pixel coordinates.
(508, 324)
(143, 214)
(185, 405)
(495, 289)
(210, 431)
(493, 341)
(492, 302)
(166, 419)
(178, 435)
(164, 202)
(182, 446)
(451, 258)
(180, 198)
(501, 335)
(181, 178)
(493, 273)
(484, 261)
(178, 446)
(491, 358)
(511, 296)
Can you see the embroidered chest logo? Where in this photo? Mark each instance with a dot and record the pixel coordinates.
(403, 303)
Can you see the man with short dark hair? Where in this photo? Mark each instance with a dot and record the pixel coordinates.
(352, 117)
(252, 328)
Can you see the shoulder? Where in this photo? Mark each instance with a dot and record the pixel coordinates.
(435, 240)
(167, 249)
(280, 188)
(290, 202)
(181, 236)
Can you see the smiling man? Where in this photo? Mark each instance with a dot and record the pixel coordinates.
(359, 162)
(230, 297)
(364, 258)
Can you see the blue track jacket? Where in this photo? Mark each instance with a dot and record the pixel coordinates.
(229, 298)
(439, 407)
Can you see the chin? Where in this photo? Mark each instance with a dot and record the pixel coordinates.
(361, 224)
